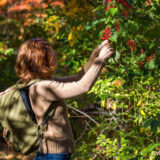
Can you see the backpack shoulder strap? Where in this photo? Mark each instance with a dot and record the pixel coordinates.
(24, 92)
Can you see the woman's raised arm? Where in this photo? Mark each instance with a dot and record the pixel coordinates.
(54, 90)
(81, 73)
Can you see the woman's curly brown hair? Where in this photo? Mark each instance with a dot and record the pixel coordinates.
(35, 60)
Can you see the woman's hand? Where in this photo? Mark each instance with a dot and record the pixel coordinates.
(106, 52)
(102, 44)
(96, 51)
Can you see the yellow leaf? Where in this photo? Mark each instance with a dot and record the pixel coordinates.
(70, 36)
(58, 37)
(142, 112)
(69, 115)
(139, 102)
(72, 41)
(103, 103)
(136, 152)
(113, 106)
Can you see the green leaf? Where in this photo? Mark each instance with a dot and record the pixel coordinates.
(142, 56)
(114, 37)
(113, 11)
(151, 64)
(98, 8)
(150, 148)
(1, 44)
(102, 136)
(92, 24)
(148, 122)
(111, 60)
(123, 30)
(9, 51)
(117, 57)
(153, 123)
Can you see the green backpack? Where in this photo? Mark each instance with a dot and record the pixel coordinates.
(20, 130)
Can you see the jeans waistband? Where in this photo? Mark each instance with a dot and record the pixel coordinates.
(66, 155)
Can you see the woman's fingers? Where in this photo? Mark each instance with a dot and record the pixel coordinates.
(106, 51)
(103, 44)
(99, 48)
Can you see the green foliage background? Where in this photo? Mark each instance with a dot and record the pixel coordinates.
(126, 94)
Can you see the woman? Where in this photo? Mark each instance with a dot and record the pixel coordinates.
(36, 60)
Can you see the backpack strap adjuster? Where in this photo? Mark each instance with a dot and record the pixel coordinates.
(40, 137)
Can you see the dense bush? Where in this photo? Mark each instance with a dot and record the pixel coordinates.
(125, 98)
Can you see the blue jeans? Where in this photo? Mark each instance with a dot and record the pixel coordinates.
(58, 156)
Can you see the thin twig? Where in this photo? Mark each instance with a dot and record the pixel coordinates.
(88, 124)
(101, 112)
(95, 157)
(113, 117)
(89, 117)
(82, 133)
(80, 116)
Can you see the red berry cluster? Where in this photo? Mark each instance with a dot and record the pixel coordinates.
(131, 45)
(118, 82)
(148, 59)
(116, 25)
(107, 34)
(148, 2)
(140, 64)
